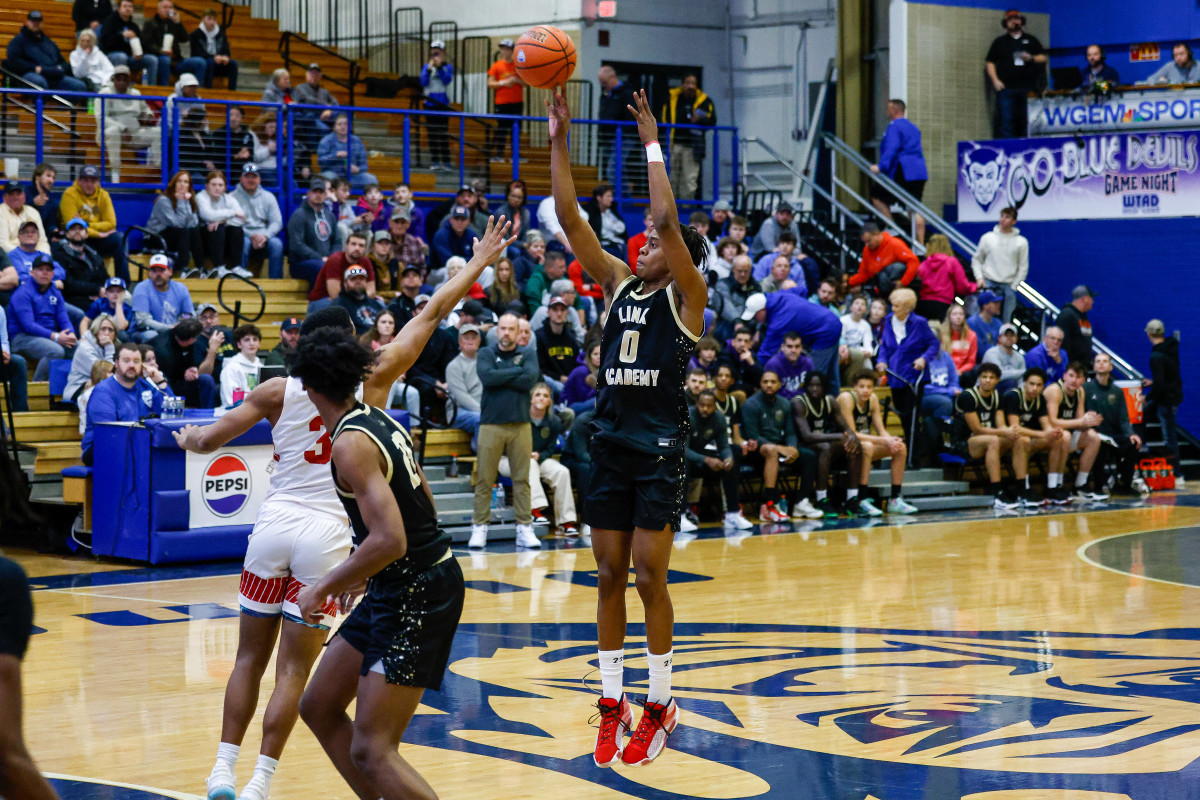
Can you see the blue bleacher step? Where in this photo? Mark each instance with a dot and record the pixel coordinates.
(497, 532)
(436, 472)
(951, 502)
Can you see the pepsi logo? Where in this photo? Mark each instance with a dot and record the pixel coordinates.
(521, 56)
(225, 485)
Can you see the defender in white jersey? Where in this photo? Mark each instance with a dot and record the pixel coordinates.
(302, 531)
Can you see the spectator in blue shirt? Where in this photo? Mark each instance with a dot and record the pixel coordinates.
(26, 252)
(436, 77)
(901, 159)
(159, 303)
(126, 396)
(1048, 355)
(112, 302)
(14, 365)
(987, 322)
(906, 349)
(789, 311)
(341, 154)
(943, 386)
(1098, 69)
(38, 325)
(454, 239)
(804, 268)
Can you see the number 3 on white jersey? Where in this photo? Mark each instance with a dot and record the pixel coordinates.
(629, 347)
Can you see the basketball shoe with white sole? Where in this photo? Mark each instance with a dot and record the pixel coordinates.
(657, 723)
(616, 718)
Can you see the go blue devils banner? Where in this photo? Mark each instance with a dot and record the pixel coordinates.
(1095, 176)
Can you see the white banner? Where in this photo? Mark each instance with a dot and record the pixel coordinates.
(228, 486)
(1146, 109)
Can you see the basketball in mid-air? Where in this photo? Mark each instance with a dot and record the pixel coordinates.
(544, 56)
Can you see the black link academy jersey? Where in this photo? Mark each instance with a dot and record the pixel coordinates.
(426, 541)
(643, 360)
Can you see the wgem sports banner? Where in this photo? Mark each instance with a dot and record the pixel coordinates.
(228, 486)
(1097, 176)
(1125, 110)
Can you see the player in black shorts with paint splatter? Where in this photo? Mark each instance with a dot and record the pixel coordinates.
(19, 776)
(636, 493)
(397, 642)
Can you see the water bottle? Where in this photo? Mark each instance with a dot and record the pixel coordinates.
(497, 498)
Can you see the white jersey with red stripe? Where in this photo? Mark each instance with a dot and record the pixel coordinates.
(302, 451)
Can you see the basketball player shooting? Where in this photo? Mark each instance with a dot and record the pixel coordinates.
(636, 494)
(301, 532)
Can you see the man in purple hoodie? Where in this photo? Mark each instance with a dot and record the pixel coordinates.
(791, 365)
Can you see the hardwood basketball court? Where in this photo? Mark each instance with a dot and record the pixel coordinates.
(1048, 655)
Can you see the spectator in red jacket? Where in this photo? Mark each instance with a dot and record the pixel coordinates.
(887, 263)
(638, 241)
(942, 278)
(962, 344)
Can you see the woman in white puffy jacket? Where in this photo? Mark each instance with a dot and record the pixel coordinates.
(221, 218)
(88, 63)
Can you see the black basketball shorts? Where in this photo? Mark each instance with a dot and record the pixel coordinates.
(404, 626)
(630, 489)
(16, 609)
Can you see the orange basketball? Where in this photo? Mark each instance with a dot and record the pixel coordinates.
(544, 56)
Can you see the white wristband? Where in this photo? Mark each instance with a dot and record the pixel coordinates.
(654, 153)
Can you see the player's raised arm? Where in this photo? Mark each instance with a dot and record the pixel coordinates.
(396, 358)
(693, 288)
(264, 402)
(605, 269)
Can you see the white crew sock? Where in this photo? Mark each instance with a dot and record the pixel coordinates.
(660, 677)
(851, 494)
(1054, 480)
(228, 753)
(822, 494)
(612, 673)
(1081, 480)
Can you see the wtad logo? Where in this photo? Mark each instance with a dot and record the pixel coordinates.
(798, 712)
(225, 485)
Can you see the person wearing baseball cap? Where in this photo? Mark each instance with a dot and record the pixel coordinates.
(1005, 355)
(436, 77)
(363, 309)
(767, 238)
(14, 213)
(159, 304)
(408, 248)
(86, 199)
(455, 238)
(1016, 66)
(263, 223)
(718, 218)
(289, 337)
(986, 322)
(36, 58)
(113, 302)
(84, 274)
(1076, 328)
(509, 94)
(311, 234)
(38, 326)
(314, 124)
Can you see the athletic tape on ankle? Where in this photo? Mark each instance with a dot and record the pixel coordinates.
(654, 153)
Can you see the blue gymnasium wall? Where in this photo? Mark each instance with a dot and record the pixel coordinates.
(1140, 270)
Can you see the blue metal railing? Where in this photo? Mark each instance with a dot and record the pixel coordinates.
(613, 147)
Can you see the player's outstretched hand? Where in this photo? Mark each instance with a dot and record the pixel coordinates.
(495, 240)
(647, 124)
(183, 436)
(559, 113)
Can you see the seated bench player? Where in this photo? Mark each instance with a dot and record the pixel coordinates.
(862, 413)
(1025, 411)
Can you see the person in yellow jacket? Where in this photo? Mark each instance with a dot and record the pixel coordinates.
(86, 200)
(687, 105)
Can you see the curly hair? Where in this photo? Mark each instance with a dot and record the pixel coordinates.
(331, 362)
(697, 246)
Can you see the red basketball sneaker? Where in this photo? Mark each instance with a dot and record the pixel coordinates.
(616, 718)
(658, 721)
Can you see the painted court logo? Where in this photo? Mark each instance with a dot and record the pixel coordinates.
(225, 485)
(763, 704)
